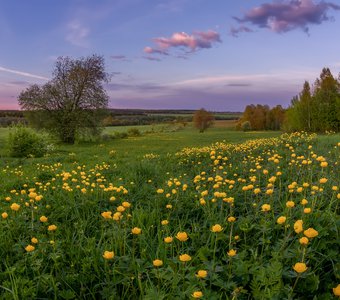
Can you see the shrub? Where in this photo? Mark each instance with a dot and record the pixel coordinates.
(246, 126)
(134, 132)
(121, 135)
(24, 142)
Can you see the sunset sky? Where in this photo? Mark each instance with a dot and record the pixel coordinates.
(174, 54)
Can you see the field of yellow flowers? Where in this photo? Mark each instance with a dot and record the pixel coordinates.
(256, 220)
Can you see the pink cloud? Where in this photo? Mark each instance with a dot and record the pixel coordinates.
(150, 50)
(282, 16)
(194, 41)
(187, 42)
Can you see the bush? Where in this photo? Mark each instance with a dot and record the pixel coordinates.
(24, 142)
(246, 126)
(134, 132)
(121, 135)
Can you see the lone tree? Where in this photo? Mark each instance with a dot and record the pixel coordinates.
(73, 101)
(202, 119)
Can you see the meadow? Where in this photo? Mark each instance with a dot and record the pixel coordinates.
(173, 214)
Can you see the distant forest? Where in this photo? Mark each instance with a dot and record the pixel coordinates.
(125, 117)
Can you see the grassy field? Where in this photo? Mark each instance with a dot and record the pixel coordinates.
(173, 214)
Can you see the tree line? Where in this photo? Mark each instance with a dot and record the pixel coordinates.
(317, 107)
(261, 117)
(74, 101)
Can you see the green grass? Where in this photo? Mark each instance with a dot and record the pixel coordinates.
(205, 184)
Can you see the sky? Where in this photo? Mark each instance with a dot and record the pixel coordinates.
(174, 54)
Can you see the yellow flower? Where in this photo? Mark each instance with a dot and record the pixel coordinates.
(157, 263)
(120, 208)
(265, 207)
(182, 236)
(281, 220)
(303, 240)
(165, 222)
(168, 239)
(197, 294)
(324, 164)
(310, 232)
(216, 228)
(307, 210)
(231, 253)
(290, 204)
(160, 191)
(168, 206)
(126, 204)
(202, 274)
(107, 214)
(298, 226)
(323, 180)
(184, 257)
(136, 230)
(300, 267)
(108, 254)
(304, 201)
(269, 192)
(34, 240)
(4, 215)
(15, 207)
(231, 219)
(52, 228)
(43, 219)
(336, 290)
(29, 248)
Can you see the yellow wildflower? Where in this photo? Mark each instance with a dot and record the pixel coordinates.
(202, 274)
(336, 290)
(52, 228)
(216, 228)
(136, 230)
(157, 263)
(197, 294)
(231, 252)
(185, 257)
(15, 207)
(265, 207)
(182, 236)
(281, 220)
(29, 248)
(108, 254)
(310, 232)
(300, 267)
(168, 239)
(298, 226)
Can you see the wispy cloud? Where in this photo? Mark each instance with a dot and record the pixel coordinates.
(21, 73)
(119, 57)
(184, 41)
(150, 50)
(77, 34)
(151, 58)
(282, 16)
(234, 31)
(238, 84)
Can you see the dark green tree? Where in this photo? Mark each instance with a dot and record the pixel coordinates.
(72, 102)
(316, 110)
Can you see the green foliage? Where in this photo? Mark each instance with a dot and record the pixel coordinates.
(134, 132)
(133, 172)
(316, 110)
(72, 102)
(261, 117)
(24, 142)
(246, 126)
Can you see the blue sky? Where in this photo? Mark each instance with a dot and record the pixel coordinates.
(174, 54)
